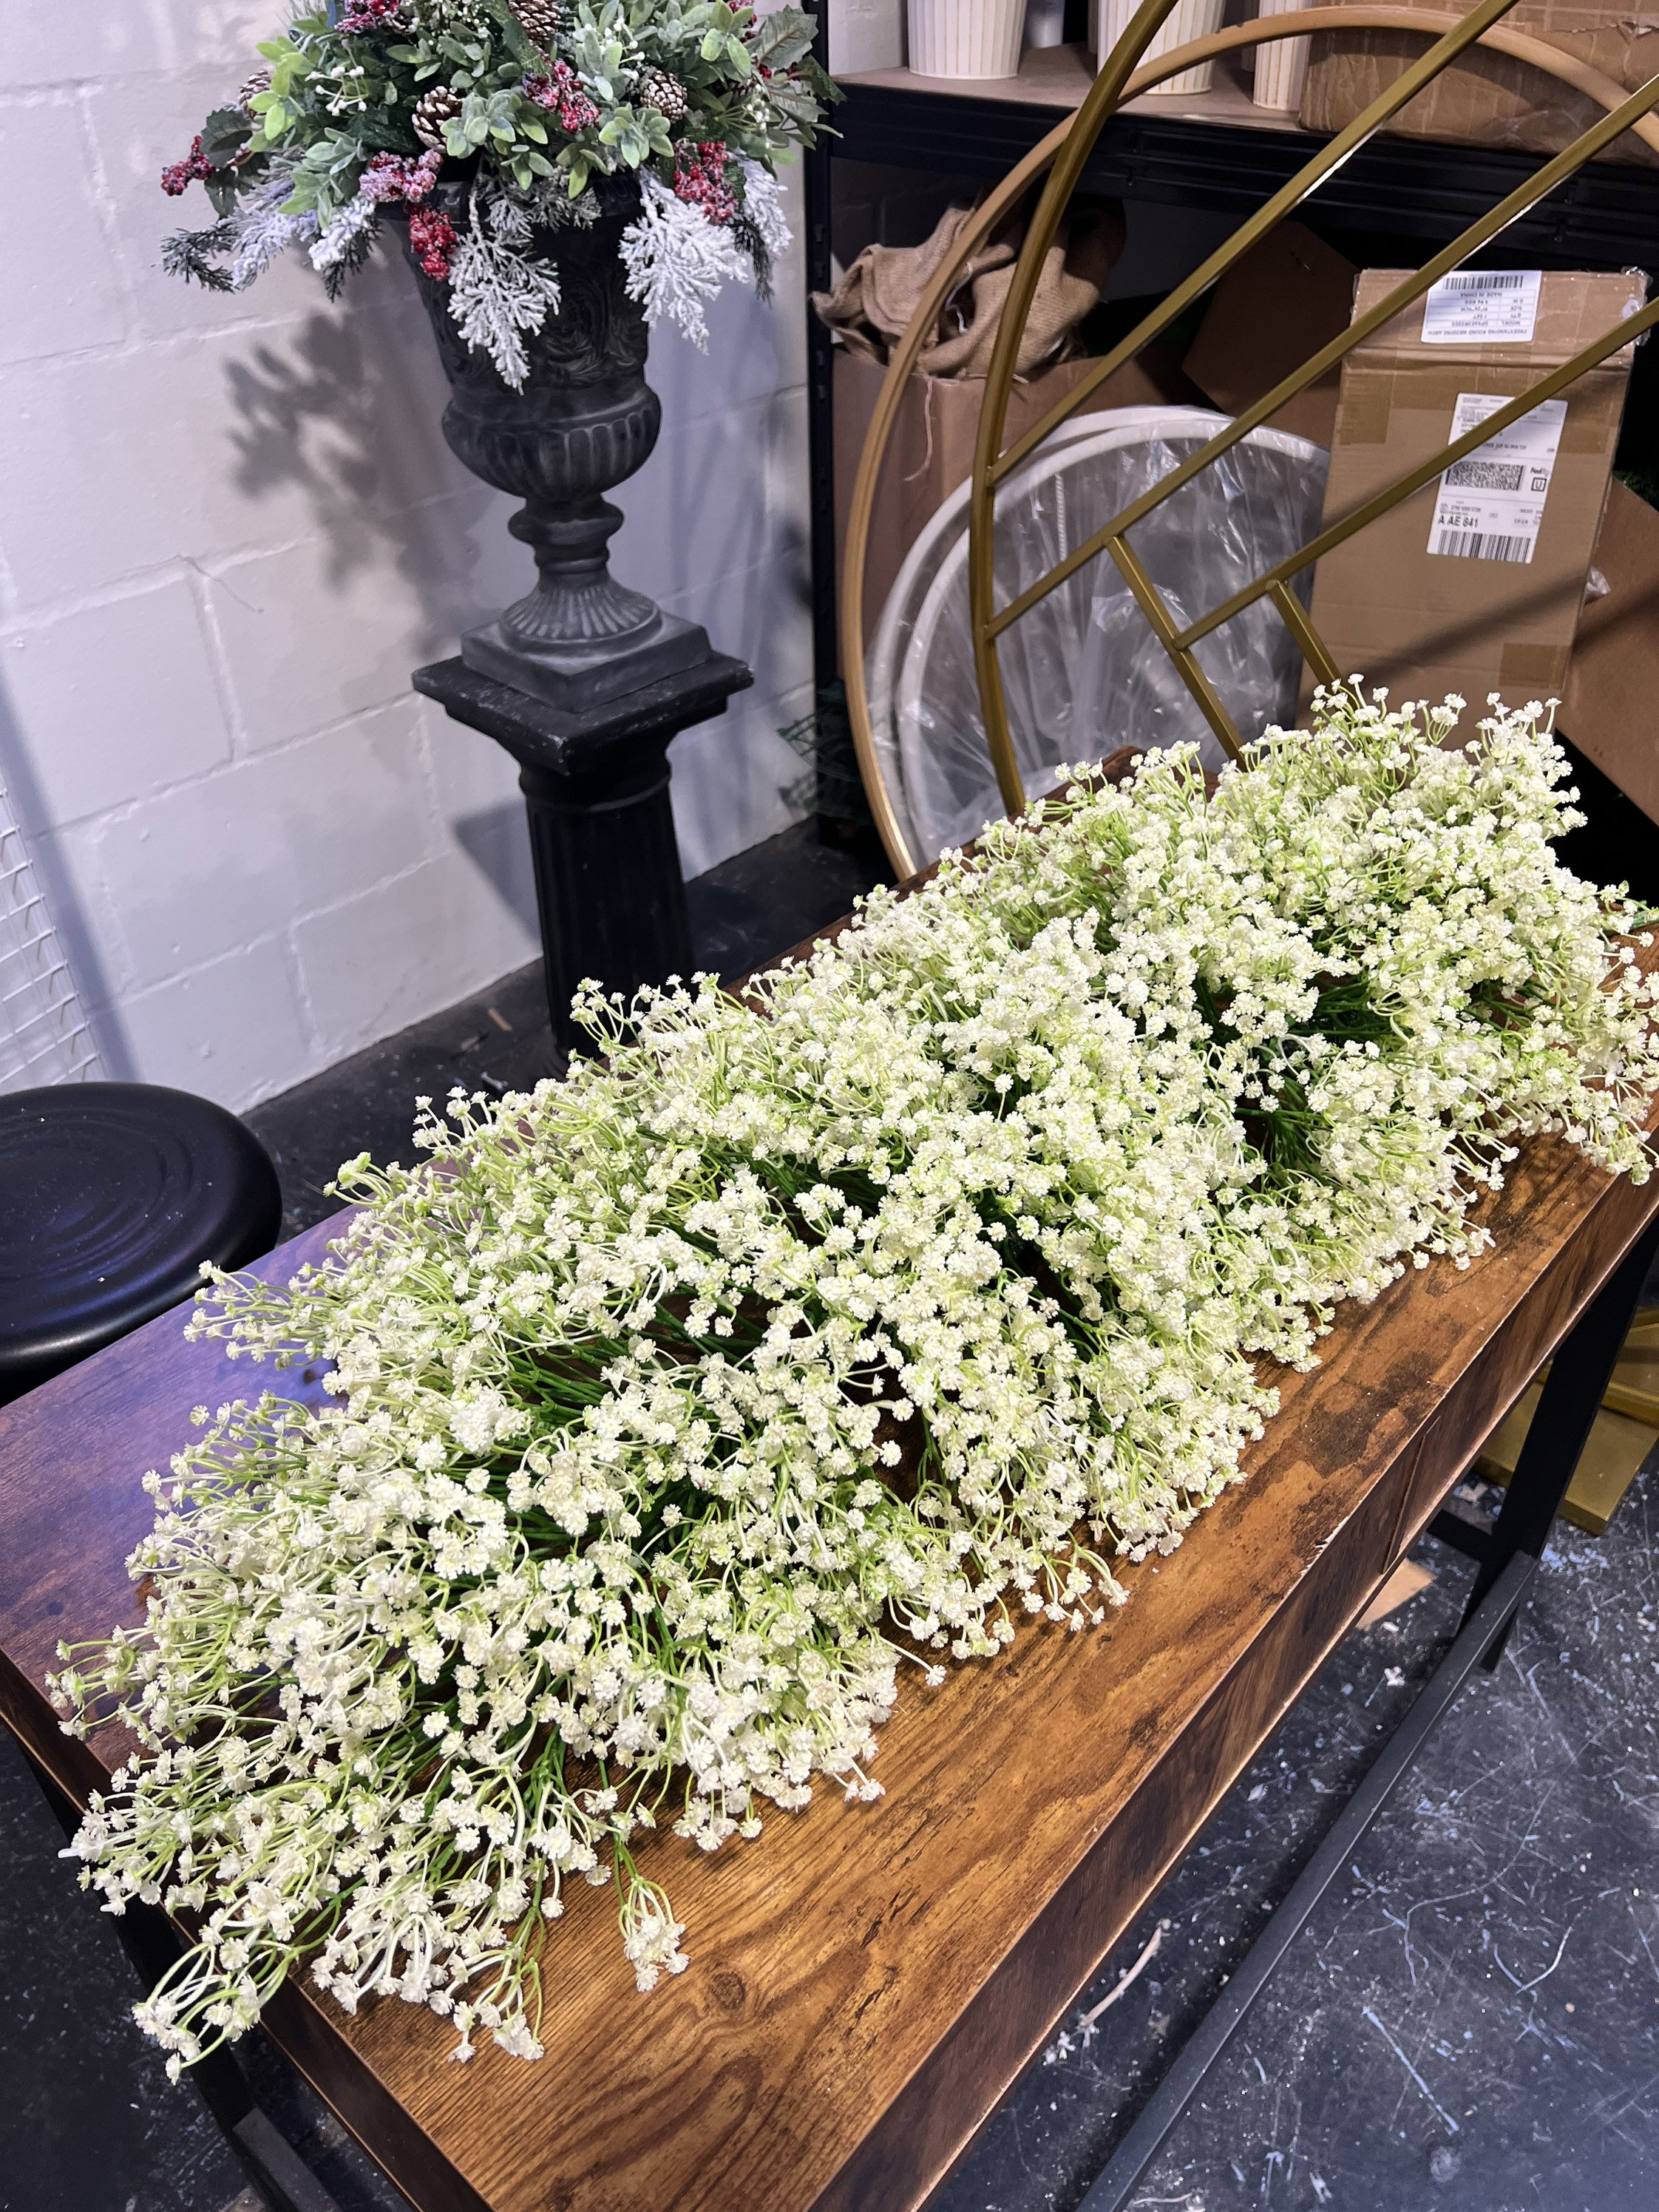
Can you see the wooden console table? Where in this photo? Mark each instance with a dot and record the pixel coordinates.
(867, 1980)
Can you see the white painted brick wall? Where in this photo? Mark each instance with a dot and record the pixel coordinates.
(229, 530)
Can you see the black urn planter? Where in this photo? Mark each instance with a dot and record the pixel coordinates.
(584, 681)
(585, 420)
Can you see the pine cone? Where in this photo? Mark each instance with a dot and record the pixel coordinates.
(656, 88)
(432, 111)
(259, 81)
(543, 18)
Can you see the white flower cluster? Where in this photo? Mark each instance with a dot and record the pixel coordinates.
(679, 1402)
(499, 294)
(677, 261)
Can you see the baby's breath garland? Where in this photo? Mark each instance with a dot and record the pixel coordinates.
(680, 1401)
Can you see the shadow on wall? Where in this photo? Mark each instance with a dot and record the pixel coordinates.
(496, 842)
(312, 418)
(346, 409)
(725, 488)
(63, 908)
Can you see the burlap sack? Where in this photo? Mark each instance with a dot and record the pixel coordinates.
(875, 300)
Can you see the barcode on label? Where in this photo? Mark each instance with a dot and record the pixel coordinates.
(1483, 545)
(1495, 280)
(1483, 306)
(1485, 476)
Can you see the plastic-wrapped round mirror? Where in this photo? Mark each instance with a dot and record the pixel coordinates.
(1083, 673)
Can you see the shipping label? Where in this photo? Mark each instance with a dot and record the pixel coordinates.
(1482, 307)
(1490, 504)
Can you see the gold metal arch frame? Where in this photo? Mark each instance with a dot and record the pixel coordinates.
(1063, 152)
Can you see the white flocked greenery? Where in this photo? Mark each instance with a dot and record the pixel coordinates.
(679, 1403)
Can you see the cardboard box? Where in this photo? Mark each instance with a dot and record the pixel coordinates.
(932, 448)
(1290, 294)
(1494, 606)
(1488, 99)
(1610, 709)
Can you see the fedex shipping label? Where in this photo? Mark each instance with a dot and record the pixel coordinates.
(1491, 505)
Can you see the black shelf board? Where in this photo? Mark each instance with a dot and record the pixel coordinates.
(1606, 216)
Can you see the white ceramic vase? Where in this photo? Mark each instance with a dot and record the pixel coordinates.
(1192, 19)
(1281, 67)
(966, 38)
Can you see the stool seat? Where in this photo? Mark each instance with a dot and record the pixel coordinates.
(111, 1194)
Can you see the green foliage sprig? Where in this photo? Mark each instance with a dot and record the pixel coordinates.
(342, 90)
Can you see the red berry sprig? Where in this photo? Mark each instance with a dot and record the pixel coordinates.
(433, 239)
(364, 15)
(700, 180)
(390, 177)
(179, 176)
(560, 91)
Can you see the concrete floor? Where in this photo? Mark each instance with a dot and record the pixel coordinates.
(1472, 2017)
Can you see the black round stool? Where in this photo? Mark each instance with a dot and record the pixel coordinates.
(111, 1194)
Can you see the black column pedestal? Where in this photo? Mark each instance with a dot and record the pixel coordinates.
(608, 884)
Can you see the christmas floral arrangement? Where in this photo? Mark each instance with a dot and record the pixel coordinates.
(367, 104)
(804, 1337)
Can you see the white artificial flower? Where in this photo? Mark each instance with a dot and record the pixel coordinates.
(762, 200)
(356, 217)
(677, 261)
(262, 231)
(497, 295)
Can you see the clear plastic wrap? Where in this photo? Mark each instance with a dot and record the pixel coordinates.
(1083, 673)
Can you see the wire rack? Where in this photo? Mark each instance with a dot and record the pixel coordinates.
(44, 1035)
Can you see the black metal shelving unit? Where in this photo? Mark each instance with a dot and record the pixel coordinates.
(1606, 216)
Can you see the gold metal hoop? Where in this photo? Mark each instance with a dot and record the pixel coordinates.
(1063, 152)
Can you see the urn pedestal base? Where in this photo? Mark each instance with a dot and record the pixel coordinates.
(577, 677)
(582, 638)
(609, 892)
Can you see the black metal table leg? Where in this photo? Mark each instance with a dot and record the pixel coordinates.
(276, 2170)
(1567, 1407)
